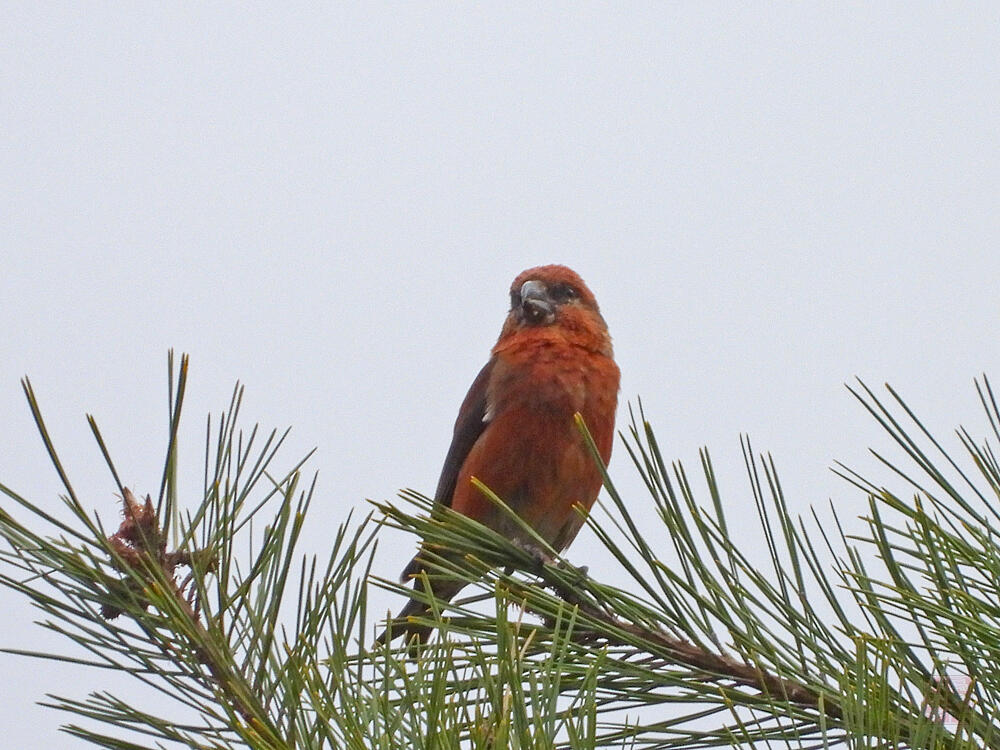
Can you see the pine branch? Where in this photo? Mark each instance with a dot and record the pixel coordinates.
(141, 555)
(782, 659)
(182, 617)
(833, 638)
(596, 623)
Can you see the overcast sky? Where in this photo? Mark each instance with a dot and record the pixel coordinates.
(329, 205)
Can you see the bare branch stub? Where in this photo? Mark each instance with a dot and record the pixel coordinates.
(140, 545)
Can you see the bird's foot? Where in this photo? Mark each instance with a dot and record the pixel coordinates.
(539, 556)
(580, 574)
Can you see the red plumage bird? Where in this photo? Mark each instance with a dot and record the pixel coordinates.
(516, 431)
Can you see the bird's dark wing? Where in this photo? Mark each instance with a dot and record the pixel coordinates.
(472, 420)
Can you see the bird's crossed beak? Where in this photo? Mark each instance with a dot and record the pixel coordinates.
(537, 308)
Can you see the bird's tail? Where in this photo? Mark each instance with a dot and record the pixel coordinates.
(404, 624)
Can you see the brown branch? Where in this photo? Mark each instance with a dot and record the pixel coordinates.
(141, 547)
(663, 645)
(607, 626)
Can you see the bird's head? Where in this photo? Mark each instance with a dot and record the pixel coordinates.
(553, 296)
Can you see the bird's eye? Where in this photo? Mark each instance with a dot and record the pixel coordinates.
(563, 293)
(515, 299)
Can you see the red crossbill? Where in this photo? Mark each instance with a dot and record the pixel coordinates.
(516, 431)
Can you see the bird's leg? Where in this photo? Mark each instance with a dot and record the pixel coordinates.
(539, 556)
(582, 572)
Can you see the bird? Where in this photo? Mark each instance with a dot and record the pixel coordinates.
(516, 430)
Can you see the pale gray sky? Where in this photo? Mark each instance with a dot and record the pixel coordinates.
(329, 204)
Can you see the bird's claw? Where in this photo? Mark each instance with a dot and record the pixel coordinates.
(579, 573)
(539, 556)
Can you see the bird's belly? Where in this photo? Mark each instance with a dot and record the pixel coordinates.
(539, 466)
